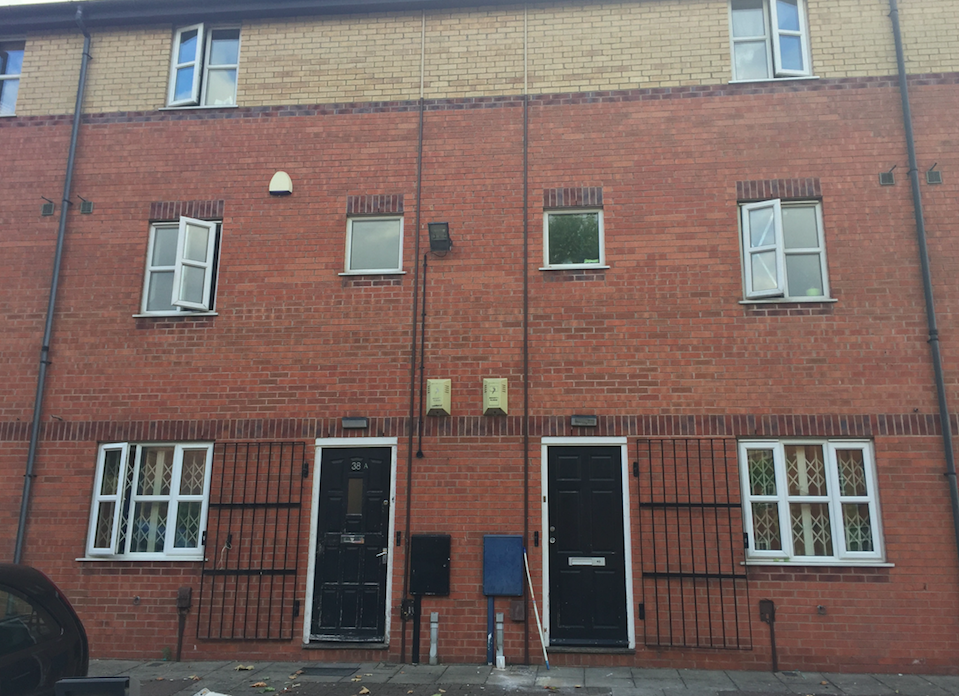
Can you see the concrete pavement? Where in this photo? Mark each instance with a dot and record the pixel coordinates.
(308, 678)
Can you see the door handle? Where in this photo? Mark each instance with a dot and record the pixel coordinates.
(382, 553)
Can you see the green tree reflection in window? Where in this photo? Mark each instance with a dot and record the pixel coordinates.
(573, 238)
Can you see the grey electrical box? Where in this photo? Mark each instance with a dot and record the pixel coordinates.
(430, 564)
(503, 569)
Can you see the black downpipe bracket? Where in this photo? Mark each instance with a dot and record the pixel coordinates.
(944, 418)
(413, 425)
(51, 304)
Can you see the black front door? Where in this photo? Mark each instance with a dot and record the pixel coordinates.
(587, 569)
(349, 594)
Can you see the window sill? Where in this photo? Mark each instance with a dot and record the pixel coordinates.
(790, 300)
(198, 108)
(174, 315)
(371, 273)
(148, 558)
(830, 563)
(774, 79)
(8, 115)
(576, 267)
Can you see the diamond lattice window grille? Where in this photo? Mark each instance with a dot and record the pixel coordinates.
(762, 472)
(852, 472)
(812, 535)
(858, 527)
(805, 470)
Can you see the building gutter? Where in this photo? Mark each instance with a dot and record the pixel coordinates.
(944, 418)
(51, 303)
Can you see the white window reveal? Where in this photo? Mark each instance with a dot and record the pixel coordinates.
(11, 63)
(374, 245)
(573, 239)
(150, 501)
(204, 66)
(810, 501)
(769, 39)
(784, 255)
(181, 267)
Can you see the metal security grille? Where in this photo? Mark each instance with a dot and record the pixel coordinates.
(248, 584)
(695, 592)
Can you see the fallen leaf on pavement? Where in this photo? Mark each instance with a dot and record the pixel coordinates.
(824, 683)
(258, 685)
(242, 667)
(364, 691)
(268, 689)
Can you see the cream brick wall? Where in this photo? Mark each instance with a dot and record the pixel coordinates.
(572, 46)
(851, 38)
(51, 67)
(129, 70)
(330, 59)
(603, 46)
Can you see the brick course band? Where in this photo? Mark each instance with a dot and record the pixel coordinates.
(375, 204)
(863, 426)
(578, 197)
(537, 100)
(163, 211)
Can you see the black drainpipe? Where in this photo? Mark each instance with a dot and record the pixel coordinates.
(944, 418)
(413, 425)
(526, 355)
(51, 304)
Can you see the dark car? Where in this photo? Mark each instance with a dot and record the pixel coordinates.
(41, 637)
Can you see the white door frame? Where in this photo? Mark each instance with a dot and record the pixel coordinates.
(546, 443)
(341, 443)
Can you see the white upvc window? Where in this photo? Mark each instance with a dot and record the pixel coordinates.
(204, 66)
(150, 501)
(181, 267)
(374, 245)
(573, 239)
(810, 501)
(783, 250)
(11, 63)
(770, 39)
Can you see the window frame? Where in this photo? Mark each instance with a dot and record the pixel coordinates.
(126, 498)
(212, 266)
(349, 246)
(201, 65)
(547, 266)
(772, 39)
(781, 292)
(12, 77)
(833, 498)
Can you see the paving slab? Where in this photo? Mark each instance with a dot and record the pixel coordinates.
(465, 674)
(513, 677)
(799, 682)
(418, 674)
(376, 672)
(111, 668)
(655, 673)
(639, 691)
(695, 691)
(706, 679)
(858, 684)
(757, 681)
(560, 676)
(613, 677)
(910, 685)
(946, 683)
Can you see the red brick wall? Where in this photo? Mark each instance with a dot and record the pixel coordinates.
(658, 340)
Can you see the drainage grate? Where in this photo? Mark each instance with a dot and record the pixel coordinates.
(329, 671)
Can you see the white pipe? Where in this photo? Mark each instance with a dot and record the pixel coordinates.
(539, 624)
(500, 657)
(434, 636)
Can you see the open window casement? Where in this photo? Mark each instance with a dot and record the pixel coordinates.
(185, 70)
(193, 274)
(790, 55)
(763, 254)
(108, 499)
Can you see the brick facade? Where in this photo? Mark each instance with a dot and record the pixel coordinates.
(660, 344)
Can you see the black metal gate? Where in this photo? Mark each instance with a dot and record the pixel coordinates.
(248, 584)
(695, 592)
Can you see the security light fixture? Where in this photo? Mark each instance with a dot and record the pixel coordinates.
(439, 236)
(86, 207)
(933, 176)
(356, 423)
(46, 209)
